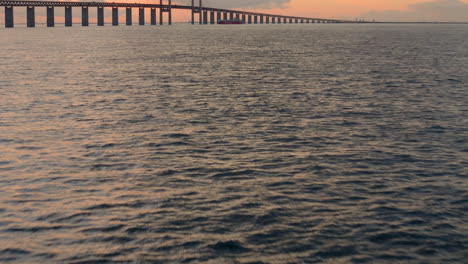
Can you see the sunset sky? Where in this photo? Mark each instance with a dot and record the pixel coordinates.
(381, 10)
(448, 10)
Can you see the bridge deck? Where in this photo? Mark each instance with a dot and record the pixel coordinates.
(138, 5)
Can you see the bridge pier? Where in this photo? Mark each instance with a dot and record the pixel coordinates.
(200, 9)
(153, 16)
(68, 16)
(50, 16)
(205, 16)
(141, 16)
(161, 16)
(212, 17)
(128, 16)
(197, 10)
(9, 17)
(193, 12)
(169, 10)
(84, 16)
(115, 16)
(100, 16)
(30, 17)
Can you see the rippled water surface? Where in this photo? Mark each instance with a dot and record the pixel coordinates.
(250, 144)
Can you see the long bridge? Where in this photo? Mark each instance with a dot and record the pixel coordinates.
(205, 15)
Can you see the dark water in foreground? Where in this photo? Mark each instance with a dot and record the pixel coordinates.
(250, 144)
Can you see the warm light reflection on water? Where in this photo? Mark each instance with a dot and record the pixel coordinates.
(249, 144)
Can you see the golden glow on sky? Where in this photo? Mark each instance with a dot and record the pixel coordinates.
(381, 10)
(345, 8)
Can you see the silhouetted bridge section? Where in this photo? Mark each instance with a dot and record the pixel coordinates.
(206, 15)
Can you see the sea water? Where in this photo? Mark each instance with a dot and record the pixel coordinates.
(234, 144)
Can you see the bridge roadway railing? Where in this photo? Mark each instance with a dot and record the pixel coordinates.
(203, 12)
